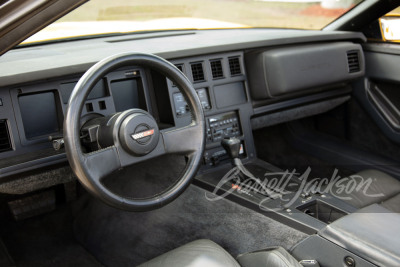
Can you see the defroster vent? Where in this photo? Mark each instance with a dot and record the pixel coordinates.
(353, 61)
(5, 142)
(234, 66)
(197, 72)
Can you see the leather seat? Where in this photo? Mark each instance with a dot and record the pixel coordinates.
(205, 252)
(275, 256)
(383, 189)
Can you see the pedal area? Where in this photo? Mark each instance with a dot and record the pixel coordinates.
(5, 258)
(23, 208)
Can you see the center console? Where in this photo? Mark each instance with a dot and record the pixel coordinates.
(277, 194)
(321, 210)
(221, 126)
(367, 237)
(340, 235)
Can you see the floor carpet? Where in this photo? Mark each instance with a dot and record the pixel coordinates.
(118, 238)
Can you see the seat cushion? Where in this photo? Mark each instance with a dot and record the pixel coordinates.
(392, 203)
(380, 188)
(272, 257)
(198, 253)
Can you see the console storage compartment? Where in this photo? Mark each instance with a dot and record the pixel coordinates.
(322, 211)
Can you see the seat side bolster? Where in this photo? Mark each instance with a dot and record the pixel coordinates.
(198, 253)
(276, 257)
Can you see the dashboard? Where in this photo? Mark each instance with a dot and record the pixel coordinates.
(242, 78)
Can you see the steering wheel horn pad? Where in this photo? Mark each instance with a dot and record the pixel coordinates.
(139, 133)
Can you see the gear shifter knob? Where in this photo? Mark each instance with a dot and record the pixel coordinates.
(232, 146)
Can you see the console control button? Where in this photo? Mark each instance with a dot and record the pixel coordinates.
(222, 126)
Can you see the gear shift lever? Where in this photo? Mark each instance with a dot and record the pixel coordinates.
(232, 147)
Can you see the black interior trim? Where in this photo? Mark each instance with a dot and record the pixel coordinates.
(291, 103)
(29, 162)
(338, 152)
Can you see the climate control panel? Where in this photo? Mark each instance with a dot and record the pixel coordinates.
(222, 125)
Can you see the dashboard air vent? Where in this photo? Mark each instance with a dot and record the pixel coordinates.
(5, 142)
(180, 67)
(216, 68)
(353, 61)
(234, 66)
(197, 72)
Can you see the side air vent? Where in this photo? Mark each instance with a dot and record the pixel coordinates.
(353, 61)
(216, 69)
(180, 67)
(234, 66)
(5, 142)
(197, 72)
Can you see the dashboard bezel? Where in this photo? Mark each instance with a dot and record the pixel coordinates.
(24, 67)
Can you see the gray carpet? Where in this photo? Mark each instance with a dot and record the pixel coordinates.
(119, 238)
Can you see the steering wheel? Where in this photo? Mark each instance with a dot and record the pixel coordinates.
(132, 136)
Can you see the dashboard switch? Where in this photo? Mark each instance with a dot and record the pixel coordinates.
(203, 97)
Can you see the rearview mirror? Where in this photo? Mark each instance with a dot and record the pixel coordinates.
(390, 28)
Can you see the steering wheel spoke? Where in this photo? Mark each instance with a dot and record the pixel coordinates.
(102, 162)
(184, 140)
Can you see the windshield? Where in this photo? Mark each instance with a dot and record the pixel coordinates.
(99, 17)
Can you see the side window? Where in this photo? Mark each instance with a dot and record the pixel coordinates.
(390, 26)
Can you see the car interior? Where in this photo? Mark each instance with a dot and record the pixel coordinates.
(228, 147)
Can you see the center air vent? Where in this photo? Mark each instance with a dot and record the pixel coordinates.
(197, 72)
(5, 142)
(216, 68)
(234, 66)
(353, 61)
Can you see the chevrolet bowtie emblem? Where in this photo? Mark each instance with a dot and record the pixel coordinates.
(141, 135)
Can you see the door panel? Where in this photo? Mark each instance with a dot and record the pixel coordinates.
(379, 92)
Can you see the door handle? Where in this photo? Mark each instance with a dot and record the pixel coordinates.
(385, 107)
